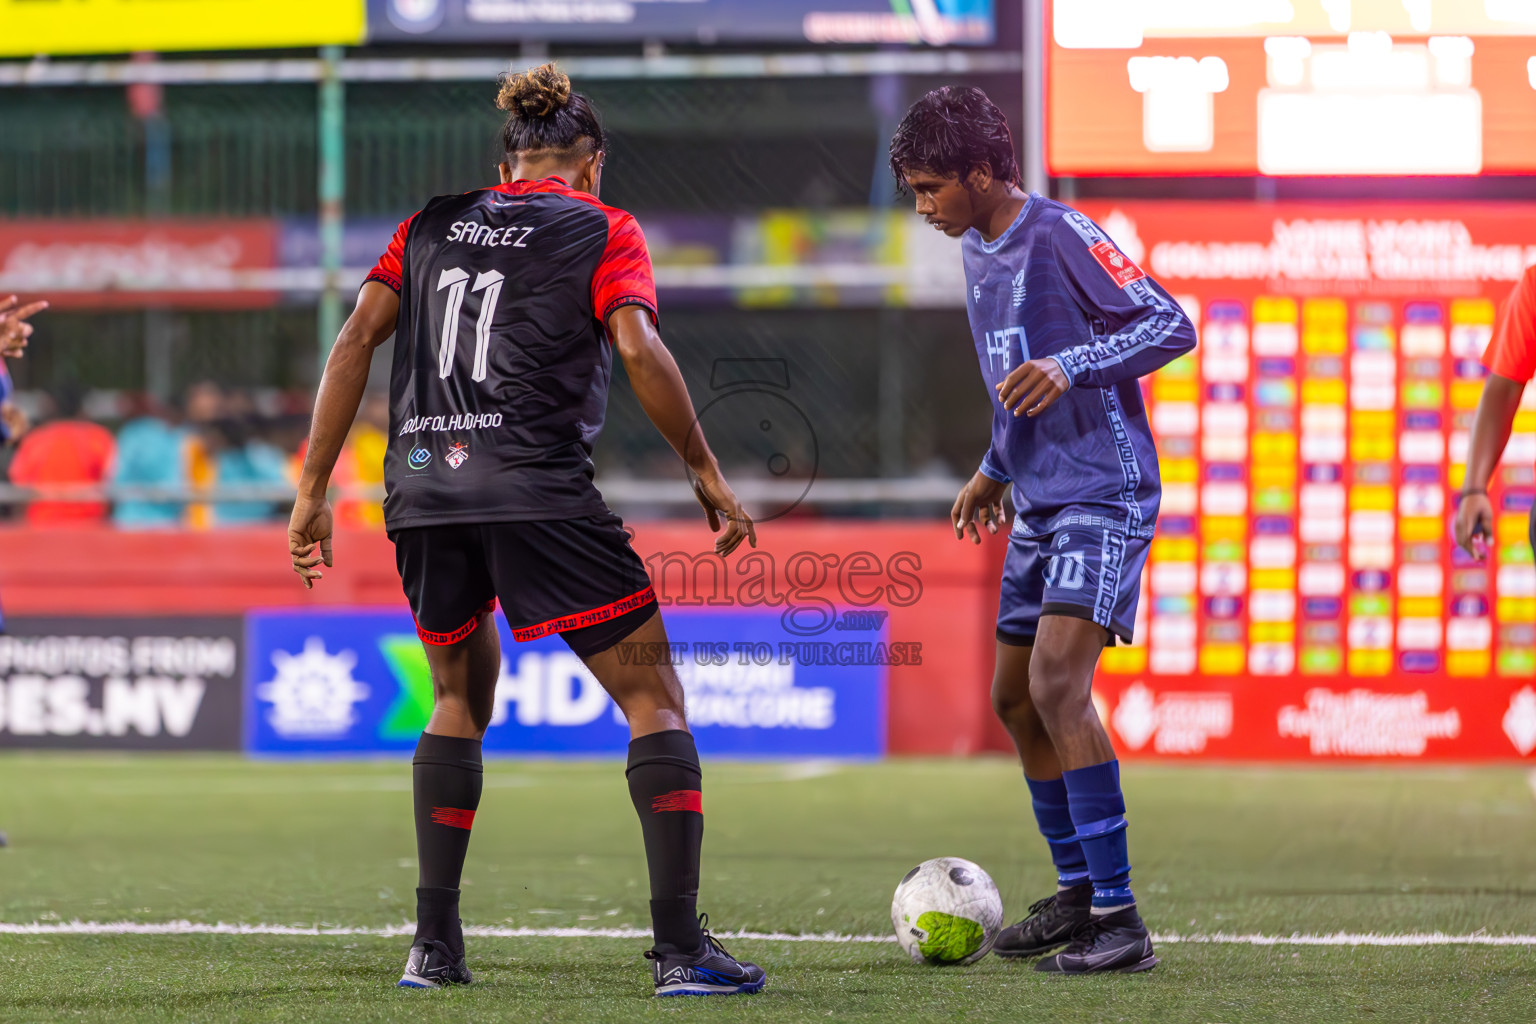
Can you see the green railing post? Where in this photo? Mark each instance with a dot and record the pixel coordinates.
(333, 187)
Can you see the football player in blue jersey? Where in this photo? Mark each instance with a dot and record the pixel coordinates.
(1064, 324)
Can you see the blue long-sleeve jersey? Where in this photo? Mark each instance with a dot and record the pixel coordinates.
(6, 387)
(1054, 285)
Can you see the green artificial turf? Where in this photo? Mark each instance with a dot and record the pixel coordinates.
(788, 848)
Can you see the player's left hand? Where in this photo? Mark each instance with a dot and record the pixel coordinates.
(719, 501)
(310, 527)
(14, 329)
(1033, 387)
(981, 499)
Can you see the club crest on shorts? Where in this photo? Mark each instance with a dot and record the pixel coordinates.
(457, 453)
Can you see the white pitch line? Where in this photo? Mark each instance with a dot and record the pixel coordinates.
(493, 932)
(1530, 780)
(1351, 939)
(386, 931)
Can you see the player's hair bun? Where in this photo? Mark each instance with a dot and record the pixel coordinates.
(544, 115)
(538, 92)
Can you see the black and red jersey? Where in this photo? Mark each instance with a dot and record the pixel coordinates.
(502, 359)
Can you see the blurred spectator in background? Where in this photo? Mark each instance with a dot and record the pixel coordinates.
(216, 458)
(204, 406)
(66, 455)
(240, 459)
(225, 450)
(152, 452)
(362, 463)
(205, 402)
(218, 446)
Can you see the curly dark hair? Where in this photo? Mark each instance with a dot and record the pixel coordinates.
(544, 115)
(950, 131)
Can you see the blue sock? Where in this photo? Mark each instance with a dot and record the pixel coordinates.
(1098, 811)
(1049, 798)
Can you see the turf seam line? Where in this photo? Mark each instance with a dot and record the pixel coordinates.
(495, 932)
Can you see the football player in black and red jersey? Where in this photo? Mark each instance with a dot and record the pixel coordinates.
(506, 304)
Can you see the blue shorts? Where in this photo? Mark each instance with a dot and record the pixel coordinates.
(1087, 572)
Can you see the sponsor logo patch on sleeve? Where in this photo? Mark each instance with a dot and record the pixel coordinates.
(1116, 264)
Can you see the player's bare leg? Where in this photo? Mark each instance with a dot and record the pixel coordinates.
(464, 681)
(1016, 710)
(643, 684)
(1051, 921)
(447, 778)
(665, 784)
(1061, 668)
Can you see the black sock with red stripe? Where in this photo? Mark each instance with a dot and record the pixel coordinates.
(664, 782)
(447, 776)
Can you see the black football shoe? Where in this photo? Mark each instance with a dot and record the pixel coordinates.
(707, 971)
(1050, 923)
(432, 965)
(1115, 943)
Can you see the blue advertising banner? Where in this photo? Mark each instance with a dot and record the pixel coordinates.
(356, 682)
(930, 22)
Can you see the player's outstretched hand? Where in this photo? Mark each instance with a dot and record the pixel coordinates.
(14, 329)
(1474, 524)
(1033, 387)
(719, 501)
(980, 499)
(309, 527)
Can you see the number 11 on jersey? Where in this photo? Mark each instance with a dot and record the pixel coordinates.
(456, 280)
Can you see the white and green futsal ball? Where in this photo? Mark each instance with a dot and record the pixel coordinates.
(946, 911)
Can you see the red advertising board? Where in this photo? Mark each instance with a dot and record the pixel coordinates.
(1349, 250)
(113, 264)
(1291, 719)
(938, 705)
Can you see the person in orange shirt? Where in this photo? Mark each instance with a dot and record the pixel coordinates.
(364, 470)
(66, 455)
(1511, 362)
(359, 471)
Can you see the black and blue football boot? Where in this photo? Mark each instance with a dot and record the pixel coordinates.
(433, 965)
(707, 971)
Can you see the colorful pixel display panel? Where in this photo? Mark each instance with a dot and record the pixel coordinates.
(1312, 446)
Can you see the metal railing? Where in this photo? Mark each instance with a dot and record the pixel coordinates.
(45, 72)
(616, 491)
(313, 279)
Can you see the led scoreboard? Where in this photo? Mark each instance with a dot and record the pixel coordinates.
(1303, 594)
(1291, 87)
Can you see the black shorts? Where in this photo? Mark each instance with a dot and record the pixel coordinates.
(576, 577)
